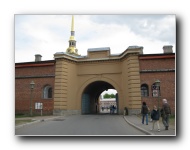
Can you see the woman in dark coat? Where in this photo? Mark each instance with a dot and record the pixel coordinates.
(155, 116)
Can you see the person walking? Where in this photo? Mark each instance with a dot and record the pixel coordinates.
(144, 112)
(165, 113)
(113, 107)
(155, 116)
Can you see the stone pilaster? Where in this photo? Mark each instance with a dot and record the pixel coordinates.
(61, 84)
(134, 84)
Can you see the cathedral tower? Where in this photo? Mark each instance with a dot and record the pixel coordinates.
(72, 42)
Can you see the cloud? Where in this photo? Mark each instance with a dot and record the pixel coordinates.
(48, 34)
(160, 27)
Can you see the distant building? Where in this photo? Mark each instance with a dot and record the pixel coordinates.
(106, 103)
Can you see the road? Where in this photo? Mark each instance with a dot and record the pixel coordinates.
(81, 125)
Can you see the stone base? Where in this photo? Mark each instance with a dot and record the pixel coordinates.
(134, 111)
(59, 112)
(120, 112)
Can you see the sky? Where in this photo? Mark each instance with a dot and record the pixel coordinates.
(48, 34)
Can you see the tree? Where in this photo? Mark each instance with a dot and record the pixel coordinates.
(105, 96)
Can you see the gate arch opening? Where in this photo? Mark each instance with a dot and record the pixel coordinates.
(108, 102)
(91, 97)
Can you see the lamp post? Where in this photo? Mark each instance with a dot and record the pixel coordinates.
(31, 87)
(157, 83)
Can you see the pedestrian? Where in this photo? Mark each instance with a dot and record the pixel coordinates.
(110, 109)
(144, 112)
(155, 116)
(113, 107)
(102, 108)
(165, 113)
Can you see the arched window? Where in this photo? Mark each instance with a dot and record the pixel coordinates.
(47, 92)
(144, 90)
(155, 90)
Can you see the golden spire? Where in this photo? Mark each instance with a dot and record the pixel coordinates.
(72, 23)
(72, 37)
(72, 43)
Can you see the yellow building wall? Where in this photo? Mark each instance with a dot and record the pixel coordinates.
(134, 91)
(73, 76)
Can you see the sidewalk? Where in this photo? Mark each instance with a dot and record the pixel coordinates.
(136, 122)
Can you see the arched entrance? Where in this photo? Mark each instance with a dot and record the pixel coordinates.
(79, 81)
(91, 94)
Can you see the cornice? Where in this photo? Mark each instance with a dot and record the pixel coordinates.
(157, 56)
(35, 64)
(156, 70)
(85, 59)
(35, 76)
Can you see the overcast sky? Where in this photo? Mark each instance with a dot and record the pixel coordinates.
(48, 34)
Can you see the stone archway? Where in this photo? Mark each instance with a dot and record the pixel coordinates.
(91, 90)
(90, 96)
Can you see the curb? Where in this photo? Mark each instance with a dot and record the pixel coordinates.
(139, 128)
(36, 121)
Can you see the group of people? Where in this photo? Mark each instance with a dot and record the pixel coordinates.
(156, 113)
(112, 109)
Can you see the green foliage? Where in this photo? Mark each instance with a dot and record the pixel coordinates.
(109, 96)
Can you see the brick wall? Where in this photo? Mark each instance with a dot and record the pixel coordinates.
(42, 76)
(162, 69)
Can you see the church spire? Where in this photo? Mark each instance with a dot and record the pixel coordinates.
(72, 23)
(72, 42)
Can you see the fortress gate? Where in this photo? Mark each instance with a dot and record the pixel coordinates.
(79, 80)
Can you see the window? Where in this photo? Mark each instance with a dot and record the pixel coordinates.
(144, 90)
(155, 90)
(47, 92)
(72, 43)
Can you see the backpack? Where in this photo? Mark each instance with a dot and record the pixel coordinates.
(144, 109)
(167, 109)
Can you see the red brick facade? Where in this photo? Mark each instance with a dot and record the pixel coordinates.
(161, 67)
(152, 67)
(43, 74)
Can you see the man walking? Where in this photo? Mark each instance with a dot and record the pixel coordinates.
(144, 112)
(165, 113)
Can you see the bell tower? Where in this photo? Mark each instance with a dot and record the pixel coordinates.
(72, 42)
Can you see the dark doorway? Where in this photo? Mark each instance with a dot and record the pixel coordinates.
(91, 95)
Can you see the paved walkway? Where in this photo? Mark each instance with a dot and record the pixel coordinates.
(136, 122)
(131, 119)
